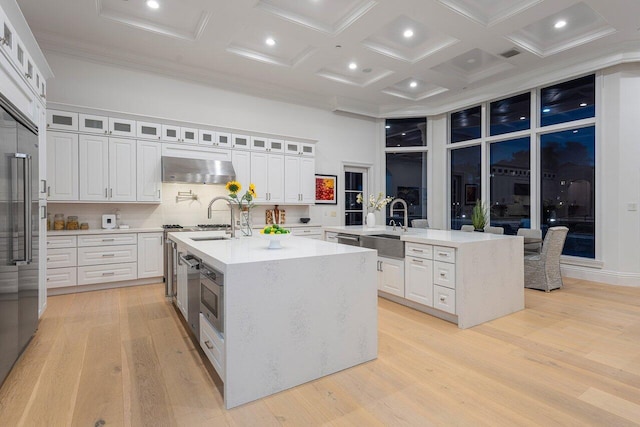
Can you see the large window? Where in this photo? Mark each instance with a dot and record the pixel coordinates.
(509, 186)
(567, 183)
(406, 167)
(465, 184)
(354, 183)
(559, 189)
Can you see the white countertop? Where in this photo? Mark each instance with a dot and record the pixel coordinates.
(103, 231)
(292, 225)
(254, 249)
(453, 238)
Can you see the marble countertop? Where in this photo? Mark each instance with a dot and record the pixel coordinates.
(254, 249)
(292, 225)
(103, 231)
(453, 238)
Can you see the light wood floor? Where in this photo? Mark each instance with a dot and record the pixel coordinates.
(121, 357)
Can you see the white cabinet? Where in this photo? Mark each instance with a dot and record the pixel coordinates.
(103, 255)
(150, 255)
(122, 127)
(241, 141)
(149, 173)
(419, 280)
(268, 170)
(259, 143)
(94, 167)
(93, 124)
(212, 344)
(195, 152)
(170, 133)
(223, 139)
(148, 130)
(311, 232)
(107, 169)
(300, 148)
(275, 145)
(206, 137)
(62, 166)
(242, 165)
(62, 120)
(189, 135)
(391, 276)
(299, 175)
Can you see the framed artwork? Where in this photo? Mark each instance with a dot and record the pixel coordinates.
(470, 194)
(326, 187)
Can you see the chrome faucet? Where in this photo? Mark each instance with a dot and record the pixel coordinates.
(392, 222)
(233, 219)
(404, 208)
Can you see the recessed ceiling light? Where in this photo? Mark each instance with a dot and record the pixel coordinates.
(583, 104)
(546, 110)
(153, 4)
(560, 24)
(523, 118)
(413, 84)
(471, 60)
(270, 41)
(404, 134)
(387, 127)
(408, 33)
(353, 66)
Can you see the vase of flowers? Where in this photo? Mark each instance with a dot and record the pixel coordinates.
(373, 204)
(244, 202)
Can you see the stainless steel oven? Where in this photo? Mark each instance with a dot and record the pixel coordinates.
(212, 296)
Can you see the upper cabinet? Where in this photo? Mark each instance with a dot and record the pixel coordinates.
(122, 127)
(62, 120)
(299, 148)
(93, 124)
(223, 139)
(206, 137)
(148, 130)
(62, 166)
(149, 172)
(241, 141)
(170, 133)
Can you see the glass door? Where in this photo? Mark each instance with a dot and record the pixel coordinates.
(355, 182)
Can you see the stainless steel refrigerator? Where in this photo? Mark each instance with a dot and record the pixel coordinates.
(19, 232)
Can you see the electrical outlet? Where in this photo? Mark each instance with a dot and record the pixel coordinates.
(333, 214)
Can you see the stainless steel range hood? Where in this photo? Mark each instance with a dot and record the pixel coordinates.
(196, 171)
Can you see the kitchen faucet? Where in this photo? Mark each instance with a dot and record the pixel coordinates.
(392, 222)
(404, 208)
(233, 219)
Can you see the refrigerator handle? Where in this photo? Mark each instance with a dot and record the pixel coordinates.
(28, 206)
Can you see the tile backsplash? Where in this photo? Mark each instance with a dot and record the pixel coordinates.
(171, 211)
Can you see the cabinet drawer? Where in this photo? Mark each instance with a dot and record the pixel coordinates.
(444, 299)
(107, 273)
(63, 257)
(61, 277)
(212, 344)
(100, 255)
(419, 251)
(107, 240)
(311, 232)
(443, 253)
(55, 242)
(444, 274)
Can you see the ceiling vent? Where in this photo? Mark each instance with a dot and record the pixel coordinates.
(510, 53)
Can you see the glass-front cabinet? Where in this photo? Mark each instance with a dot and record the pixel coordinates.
(122, 127)
(93, 124)
(62, 120)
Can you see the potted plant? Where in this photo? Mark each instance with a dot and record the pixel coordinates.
(479, 216)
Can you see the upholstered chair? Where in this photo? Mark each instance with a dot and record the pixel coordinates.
(532, 234)
(542, 271)
(420, 223)
(467, 228)
(494, 230)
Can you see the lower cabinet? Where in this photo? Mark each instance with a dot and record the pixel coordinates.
(212, 344)
(391, 276)
(310, 232)
(418, 285)
(103, 258)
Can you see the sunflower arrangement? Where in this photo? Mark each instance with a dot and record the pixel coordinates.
(245, 201)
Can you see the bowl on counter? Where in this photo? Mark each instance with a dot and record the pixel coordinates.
(305, 220)
(275, 239)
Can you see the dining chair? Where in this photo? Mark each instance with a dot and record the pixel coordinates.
(467, 228)
(494, 230)
(420, 223)
(531, 247)
(542, 271)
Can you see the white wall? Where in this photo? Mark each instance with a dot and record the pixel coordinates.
(96, 85)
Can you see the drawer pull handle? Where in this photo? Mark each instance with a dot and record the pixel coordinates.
(208, 344)
(417, 250)
(108, 273)
(443, 274)
(418, 261)
(107, 255)
(443, 299)
(443, 254)
(108, 240)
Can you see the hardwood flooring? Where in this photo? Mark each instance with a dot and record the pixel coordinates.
(121, 357)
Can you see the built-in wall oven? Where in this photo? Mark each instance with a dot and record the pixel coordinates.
(212, 296)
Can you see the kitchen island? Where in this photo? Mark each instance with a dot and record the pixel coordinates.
(465, 278)
(291, 315)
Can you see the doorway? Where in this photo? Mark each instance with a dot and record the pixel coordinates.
(355, 182)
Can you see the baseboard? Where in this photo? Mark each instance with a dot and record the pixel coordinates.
(102, 286)
(42, 309)
(603, 276)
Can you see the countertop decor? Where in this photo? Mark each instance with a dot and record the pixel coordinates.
(245, 203)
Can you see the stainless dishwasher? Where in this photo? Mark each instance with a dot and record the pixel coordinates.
(348, 239)
(191, 274)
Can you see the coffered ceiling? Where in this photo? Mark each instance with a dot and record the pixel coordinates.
(374, 57)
